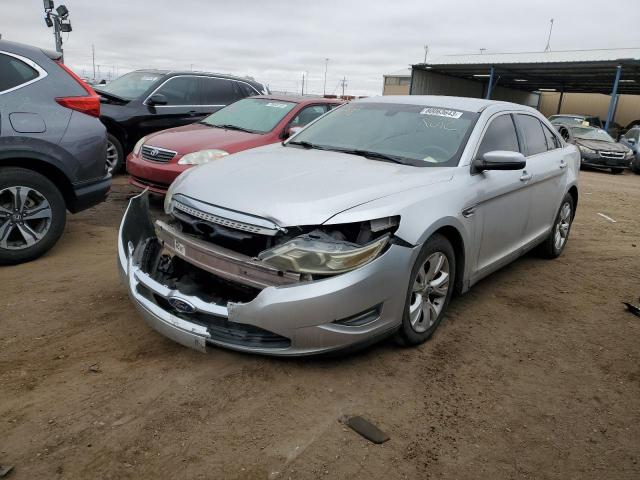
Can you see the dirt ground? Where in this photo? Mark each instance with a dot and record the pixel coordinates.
(534, 374)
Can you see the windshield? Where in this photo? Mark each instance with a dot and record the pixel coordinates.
(587, 133)
(259, 115)
(567, 120)
(130, 85)
(413, 134)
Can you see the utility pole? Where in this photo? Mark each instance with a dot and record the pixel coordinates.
(324, 89)
(93, 59)
(302, 90)
(343, 82)
(548, 47)
(426, 50)
(482, 50)
(59, 20)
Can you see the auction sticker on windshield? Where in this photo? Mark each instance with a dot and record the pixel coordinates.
(441, 112)
(277, 105)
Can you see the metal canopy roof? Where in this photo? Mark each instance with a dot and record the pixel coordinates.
(587, 71)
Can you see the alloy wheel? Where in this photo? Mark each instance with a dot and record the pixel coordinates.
(25, 217)
(112, 157)
(429, 292)
(562, 226)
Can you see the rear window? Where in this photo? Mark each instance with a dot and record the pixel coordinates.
(14, 72)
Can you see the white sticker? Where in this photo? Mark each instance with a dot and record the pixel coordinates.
(179, 247)
(149, 79)
(277, 105)
(441, 112)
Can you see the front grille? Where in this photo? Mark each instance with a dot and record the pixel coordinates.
(225, 222)
(612, 155)
(156, 154)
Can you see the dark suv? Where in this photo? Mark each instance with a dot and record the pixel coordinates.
(145, 101)
(52, 150)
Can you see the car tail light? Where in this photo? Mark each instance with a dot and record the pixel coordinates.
(89, 103)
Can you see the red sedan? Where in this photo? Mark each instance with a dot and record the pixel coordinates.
(159, 158)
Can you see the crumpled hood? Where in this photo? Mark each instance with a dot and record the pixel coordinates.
(293, 186)
(602, 145)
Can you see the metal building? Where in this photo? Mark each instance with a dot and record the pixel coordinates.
(520, 77)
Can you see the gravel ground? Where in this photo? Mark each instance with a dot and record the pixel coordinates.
(535, 373)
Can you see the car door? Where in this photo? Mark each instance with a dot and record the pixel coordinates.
(217, 93)
(183, 99)
(547, 162)
(502, 202)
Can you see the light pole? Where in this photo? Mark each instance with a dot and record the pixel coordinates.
(324, 88)
(59, 20)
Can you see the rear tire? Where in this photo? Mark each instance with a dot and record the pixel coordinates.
(430, 289)
(554, 245)
(115, 155)
(32, 215)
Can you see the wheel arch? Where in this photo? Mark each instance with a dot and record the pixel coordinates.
(53, 173)
(453, 235)
(573, 191)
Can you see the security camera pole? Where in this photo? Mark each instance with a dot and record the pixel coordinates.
(59, 20)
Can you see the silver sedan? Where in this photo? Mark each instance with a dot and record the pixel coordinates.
(360, 226)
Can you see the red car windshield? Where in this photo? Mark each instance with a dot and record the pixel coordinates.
(256, 115)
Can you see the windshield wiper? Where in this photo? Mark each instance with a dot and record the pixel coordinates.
(370, 154)
(232, 127)
(306, 144)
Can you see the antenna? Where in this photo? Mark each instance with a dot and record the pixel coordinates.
(548, 47)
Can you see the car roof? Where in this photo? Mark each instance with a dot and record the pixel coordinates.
(300, 99)
(443, 101)
(27, 50)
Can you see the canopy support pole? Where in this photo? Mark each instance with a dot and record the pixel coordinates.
(490, 87)
(614, 94)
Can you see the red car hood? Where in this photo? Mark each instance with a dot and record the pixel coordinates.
(195, 137)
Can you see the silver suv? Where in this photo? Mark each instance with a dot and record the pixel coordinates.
(52, 150)
(362, 225)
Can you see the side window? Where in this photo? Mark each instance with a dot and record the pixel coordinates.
(534, 137)
(500, 135)
(308, 115)
(246, 90)
(552, 140)
(14, 72)
(218, 91)
(634, 133)
(181, 91)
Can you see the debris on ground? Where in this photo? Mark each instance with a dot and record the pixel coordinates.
(95, 368)
(5, 470)
(365, 428)
(632, 308)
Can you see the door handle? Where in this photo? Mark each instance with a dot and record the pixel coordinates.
(525, 177)
(563, 165)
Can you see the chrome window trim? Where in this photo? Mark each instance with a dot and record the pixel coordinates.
(42, 73)
(197, 76)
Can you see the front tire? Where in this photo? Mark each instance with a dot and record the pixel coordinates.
(430, 289)
(115, 155)
(32, 215)
(554, 245)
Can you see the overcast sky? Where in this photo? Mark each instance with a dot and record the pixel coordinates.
(275, 41)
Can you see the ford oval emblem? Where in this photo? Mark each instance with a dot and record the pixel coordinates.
(182, 305)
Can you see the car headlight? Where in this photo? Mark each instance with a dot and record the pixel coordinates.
(168, 197)
(586, 149)
(629, 153)
(307, 254)
(203, 156)
(138, 145)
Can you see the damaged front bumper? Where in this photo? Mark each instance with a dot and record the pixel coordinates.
(288, 317)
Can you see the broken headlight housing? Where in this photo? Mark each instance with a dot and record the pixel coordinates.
(326, 251)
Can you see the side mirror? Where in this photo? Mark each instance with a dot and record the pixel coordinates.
(291, 131)
(631, 141)
(499, 160)
(157, 99)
